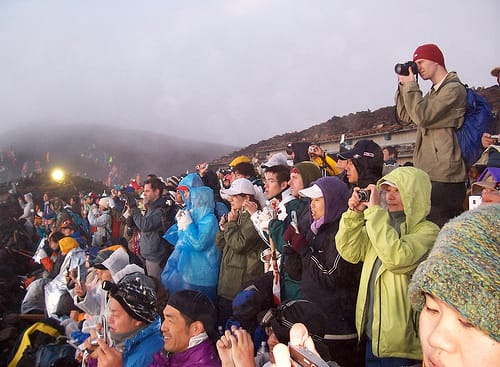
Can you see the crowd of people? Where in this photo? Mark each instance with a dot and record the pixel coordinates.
(348, 260)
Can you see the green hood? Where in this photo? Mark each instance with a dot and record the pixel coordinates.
(415, 188)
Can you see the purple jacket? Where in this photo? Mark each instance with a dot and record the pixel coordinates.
(201, 355)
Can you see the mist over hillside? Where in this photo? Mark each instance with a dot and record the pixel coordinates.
(92, 151)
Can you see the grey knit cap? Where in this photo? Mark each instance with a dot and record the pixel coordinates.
(463, 269)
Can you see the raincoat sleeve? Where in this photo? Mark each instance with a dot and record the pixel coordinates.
(200, 235)
(351, 239)
(398, 254)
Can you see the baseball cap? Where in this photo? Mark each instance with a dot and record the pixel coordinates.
(281, 319)
(239, 159)
(388, 183)
(240, 186)
(312, 192)
(363, 148)
(278, 159)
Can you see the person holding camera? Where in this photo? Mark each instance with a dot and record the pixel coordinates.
(326, 163)
(150, 224)
(438, 115)
(385, 227)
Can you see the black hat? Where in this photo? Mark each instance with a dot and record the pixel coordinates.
(281, 320)
(137, 295)
(363, 149)
(197, 307)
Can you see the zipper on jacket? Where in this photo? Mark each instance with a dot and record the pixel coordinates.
(380, 317)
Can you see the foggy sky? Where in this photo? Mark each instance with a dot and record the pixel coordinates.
(228, 71)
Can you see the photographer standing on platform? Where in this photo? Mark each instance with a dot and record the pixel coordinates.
(437, 115)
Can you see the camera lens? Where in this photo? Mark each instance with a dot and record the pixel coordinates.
(364, 195)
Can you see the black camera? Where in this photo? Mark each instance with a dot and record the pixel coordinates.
(364, 195)
(404, 69)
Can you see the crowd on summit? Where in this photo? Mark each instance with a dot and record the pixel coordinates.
(356, 259)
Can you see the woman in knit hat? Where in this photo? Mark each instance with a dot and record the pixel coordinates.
(457, 291)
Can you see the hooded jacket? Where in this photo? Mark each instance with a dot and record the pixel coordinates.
(194, 263)
(437, 115)
(364, 237)
(327, 279)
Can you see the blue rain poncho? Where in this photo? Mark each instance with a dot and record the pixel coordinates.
(194, 263)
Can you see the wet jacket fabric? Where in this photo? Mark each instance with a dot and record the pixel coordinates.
(150, 224)
(194, 263)
(139, 349)
(368, 236)
(437, 115)
(58, 286)
(201, 355)
(241, 247)
(327, 279)
(102, 222)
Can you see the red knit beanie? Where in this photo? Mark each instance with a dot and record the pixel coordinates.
(429, 52)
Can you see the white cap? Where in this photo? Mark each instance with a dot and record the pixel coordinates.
(389, 183)
(312, 192)
(240, 186)
(278, 159)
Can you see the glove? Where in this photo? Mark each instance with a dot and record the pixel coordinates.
(296, 240)
(183, 219)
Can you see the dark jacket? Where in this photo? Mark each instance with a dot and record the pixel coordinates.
(327, 279)
(151, 226)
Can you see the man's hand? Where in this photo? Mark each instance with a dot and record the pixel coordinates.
(108, 356)
(403, 79)
(224, 349)
(242, 348)
(487, 140)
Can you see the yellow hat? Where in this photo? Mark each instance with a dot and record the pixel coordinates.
(239, 159)
(67, 244)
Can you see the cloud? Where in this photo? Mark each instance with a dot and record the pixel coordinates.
(233, 71)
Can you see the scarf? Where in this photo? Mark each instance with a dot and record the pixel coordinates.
(316, 224)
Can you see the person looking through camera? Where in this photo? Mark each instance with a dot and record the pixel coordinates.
(437, 114)
(389, 233)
